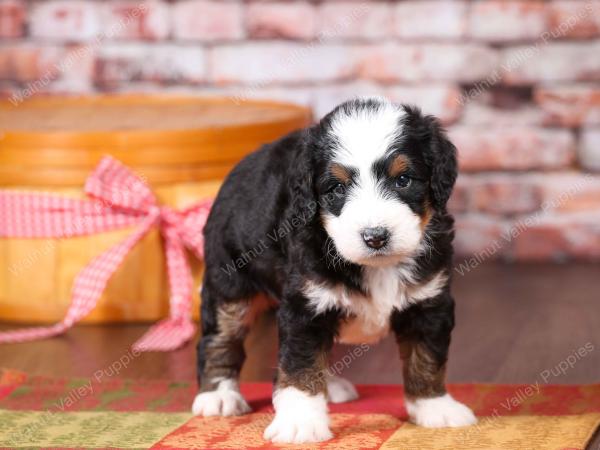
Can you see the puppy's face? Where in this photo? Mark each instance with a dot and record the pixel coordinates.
(374, 182)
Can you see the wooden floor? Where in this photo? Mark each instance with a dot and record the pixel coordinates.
(515, 324)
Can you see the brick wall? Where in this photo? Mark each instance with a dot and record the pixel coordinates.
(516, 82)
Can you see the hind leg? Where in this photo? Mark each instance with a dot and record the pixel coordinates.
(340, 390)
(221, 355)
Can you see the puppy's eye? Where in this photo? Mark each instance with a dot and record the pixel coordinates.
(403, 181)
(339, 189)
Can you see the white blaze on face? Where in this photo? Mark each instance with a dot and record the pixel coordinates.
(365, 138)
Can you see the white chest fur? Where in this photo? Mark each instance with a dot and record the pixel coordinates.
(368, 316)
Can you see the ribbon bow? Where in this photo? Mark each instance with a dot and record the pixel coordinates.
(119, 199)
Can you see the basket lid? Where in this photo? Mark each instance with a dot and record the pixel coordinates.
(64, 138)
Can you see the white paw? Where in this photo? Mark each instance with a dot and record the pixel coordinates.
(439, 412)
(340, 390)
(299, 418)
(226, 400)
(297, 430)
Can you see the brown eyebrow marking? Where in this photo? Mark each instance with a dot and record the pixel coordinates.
(341, 173)
(398, 165)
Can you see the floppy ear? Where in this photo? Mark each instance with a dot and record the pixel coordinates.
(444, 168)
(302, 203)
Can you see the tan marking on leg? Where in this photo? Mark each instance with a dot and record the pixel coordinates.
(312, 380)
(225, 352)
(423, 376)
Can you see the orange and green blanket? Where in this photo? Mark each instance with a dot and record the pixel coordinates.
(49, 413)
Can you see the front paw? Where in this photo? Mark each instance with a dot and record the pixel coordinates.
(226, 400)
(299, 417)
(439, 412)
(297, 430)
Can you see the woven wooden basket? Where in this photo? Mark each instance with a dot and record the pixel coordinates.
(183, 147)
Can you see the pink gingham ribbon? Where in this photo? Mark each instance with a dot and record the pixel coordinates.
(119, 199)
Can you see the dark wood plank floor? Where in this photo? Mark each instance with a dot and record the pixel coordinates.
(515, 324)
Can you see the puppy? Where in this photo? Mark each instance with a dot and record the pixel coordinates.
(344, 226)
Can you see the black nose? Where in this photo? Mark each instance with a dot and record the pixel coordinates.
(376, 237)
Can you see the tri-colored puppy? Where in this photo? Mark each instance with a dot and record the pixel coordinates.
(344, 226)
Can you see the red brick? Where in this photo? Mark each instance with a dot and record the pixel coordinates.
(325, 98)
(439, 100)
(514, 148)
(132, 19)
(24, 63)
(517, 193)
(506, 20)
(552, 62)
(589, 150)
(207, 20)
(139, 62)
(338, 20)
(276, 62)
(479, 236)
(12, 18)
(425, 62)
(558, 238)
(239, 94)
(75, 70)
(460, 199)
(569, 192)
(296, 20)
(67, 20)
(570, 106)
(6, 90)
(480, 113)
(534, 237)
(298, 95)
(46, 69)
(574, 18)
(430, 19)
(505, 194)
